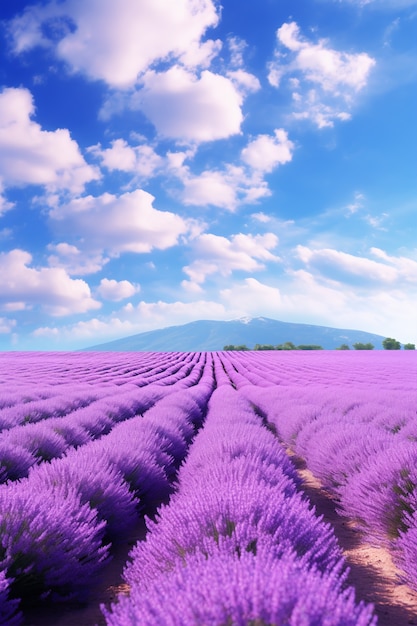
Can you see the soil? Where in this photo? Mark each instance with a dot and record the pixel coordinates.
(372, 572)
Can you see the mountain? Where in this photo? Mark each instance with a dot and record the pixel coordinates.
(206, 335)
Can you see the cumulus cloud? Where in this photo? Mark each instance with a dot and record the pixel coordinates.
(222, 188)
(5, 205)
(116, 224)
(186, 104)
(6, 325)
(405, 267)
(215, 254)
(266, 152)
(75, 261)
(234, 185)
(236, 46)
(324, 80)
(141, 160)
(116, 42)
(201, 108)
(30, 155)
(244, 81)
(383, 311)
(261, 217)
(116, 290)
(50, 288)
(361, 271)
(320, 64)
(253, 297)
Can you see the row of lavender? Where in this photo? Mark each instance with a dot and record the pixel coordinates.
(42, 422)
(124, 425)
(237, 543)
(34, 386)
(57, 524)
(356, 428)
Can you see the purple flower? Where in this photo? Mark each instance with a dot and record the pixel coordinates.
(51, 543)
(226, 588)
(9, 615)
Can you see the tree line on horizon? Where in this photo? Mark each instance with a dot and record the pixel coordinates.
(388, 344)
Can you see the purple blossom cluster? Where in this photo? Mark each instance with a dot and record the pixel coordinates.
(25, 446)
(237, 543)
(58, 523)
(361, 443)
(91, 443)
(9, 612)
(243, 590)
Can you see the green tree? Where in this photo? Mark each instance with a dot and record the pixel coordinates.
(259, 346)
(344, 346)
(391, 344)
(232, 347)
(409, 346)
(309, 347)
(363, 346)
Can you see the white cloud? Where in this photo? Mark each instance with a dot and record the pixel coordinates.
(327, 80)
(236, 47)
(244, 81)
(75, 261)
(377, 221)
(141, 160)
(190, 108)
(357, 203)
(384, 312)
(30, 155)
(319, 64)
(14, 306)
(311, 107)
(216, 254)
(251, 297)
(50, 288)
(266, 152)
(116, 290)
(200, 54)
(405, 267)
(185, 104)
(234, 185)
(261, 217)
(116, 224)
(6, 325)
(116, 42)
(5, 205)
(393, 272)
(211, 187)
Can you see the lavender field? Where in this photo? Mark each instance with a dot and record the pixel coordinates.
(199, 446)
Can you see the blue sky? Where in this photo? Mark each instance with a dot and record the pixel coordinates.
(162, 162)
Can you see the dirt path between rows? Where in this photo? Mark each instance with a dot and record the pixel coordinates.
(372, 572)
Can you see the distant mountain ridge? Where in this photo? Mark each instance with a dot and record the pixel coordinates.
(207, 335)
